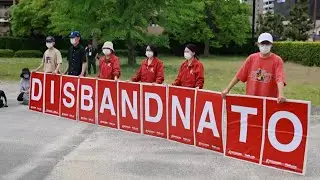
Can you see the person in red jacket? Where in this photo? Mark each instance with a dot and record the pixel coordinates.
(191, 73)
(109, 65)
(151, 69)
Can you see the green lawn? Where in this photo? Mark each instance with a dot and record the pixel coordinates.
(303, 82)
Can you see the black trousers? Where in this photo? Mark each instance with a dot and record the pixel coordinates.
(20, 97)
(92, 62)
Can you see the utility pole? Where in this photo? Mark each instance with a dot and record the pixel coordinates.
(253, 19)
(315, 13)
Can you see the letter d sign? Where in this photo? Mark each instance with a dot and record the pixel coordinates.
(36, 92)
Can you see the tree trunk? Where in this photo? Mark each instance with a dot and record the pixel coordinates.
(95, 41)
(131, 51)
(206, 52)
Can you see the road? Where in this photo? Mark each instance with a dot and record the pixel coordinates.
(38, 146)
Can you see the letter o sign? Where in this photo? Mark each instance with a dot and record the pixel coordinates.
(298, 131)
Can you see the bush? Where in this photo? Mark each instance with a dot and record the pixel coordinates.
(28, 54)
(305, 53)
(64, 53)
(6, 53)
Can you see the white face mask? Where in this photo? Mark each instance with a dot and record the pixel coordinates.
(187, 55)
(49, 45)
(265, 49)
(72, 41)
(106, 51)
(26, 76)
(149, 54)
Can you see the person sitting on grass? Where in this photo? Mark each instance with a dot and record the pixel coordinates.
(263, 72)
(24, 86)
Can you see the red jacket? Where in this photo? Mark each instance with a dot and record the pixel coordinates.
(108, 69)
(190, 76)
(152, 73)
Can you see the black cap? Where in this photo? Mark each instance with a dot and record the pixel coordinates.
(50, 39)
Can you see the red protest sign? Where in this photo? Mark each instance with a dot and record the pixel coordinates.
(181, 114)
(286, 135)
(208, 120)
(154, 110)
(36, 92)
(52, 94)
(244, 127)
(129, 106)
(69, 97)
(87, 97)
(107, 103)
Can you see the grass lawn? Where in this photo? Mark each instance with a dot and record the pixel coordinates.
(303, 82)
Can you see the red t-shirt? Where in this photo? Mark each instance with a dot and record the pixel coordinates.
(110, 68)
(262, 75)
(190, 75)
(150, 73)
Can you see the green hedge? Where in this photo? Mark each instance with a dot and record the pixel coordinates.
(305, 53)
(28, 54)
(64, 53)
(6, 53)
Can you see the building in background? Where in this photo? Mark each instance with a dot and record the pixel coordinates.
(5, 16)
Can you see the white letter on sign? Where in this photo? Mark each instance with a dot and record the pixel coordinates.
(208, 110)
(69, 95)
(107, 94)
(52, 93)
(33, 96)
(297, 137)
(88, 97)
(132, 107)
(244, 111)
(156, 97)
(176, 106)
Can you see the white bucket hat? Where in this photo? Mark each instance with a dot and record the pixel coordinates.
(108, 44)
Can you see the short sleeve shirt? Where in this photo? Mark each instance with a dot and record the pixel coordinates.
(76, 57)
(91, 53)
(51, 59)
(262, 75)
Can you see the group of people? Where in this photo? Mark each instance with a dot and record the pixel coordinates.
(262, 71)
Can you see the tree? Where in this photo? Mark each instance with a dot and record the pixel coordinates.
(300, 22)
(272, 23)
(31, 18)
(212, 22)
(109, 20)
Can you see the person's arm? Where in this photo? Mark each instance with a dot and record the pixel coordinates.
(160, 73)
(200, 77)
(280, 78)
(41, 65)
(177, 81)
(242, 75)
(84, 63)
(137, 77)
(66, 71)
(281, 97)
(233, 82)
(116, 69)
(59, 61)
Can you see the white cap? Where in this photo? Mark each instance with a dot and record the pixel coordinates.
(108, 44)
(265, 37)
